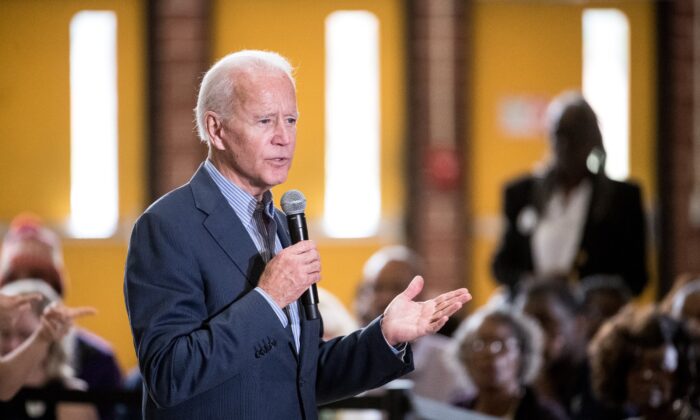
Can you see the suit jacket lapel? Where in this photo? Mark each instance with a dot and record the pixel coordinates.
(225, 227)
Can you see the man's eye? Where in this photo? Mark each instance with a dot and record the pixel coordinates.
(291, 121)
(265, 121)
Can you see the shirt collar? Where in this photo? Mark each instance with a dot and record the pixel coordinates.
(240, 200)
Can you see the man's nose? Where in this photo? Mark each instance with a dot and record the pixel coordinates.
(283, 133)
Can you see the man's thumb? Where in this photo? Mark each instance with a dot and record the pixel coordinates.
(414, 287)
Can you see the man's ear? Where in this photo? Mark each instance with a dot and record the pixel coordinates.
(214, 125)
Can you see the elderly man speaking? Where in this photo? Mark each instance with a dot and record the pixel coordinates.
(212, 281)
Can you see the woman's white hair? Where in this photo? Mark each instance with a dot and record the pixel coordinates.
(525, 329)
(217, 91)
(24, 286)
(681, 296)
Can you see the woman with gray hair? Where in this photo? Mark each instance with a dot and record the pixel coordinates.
(501, 352)
(42, 329)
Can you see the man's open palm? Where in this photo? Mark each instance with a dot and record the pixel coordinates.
(406, 320)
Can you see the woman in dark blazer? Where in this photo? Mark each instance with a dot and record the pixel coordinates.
(571, 220)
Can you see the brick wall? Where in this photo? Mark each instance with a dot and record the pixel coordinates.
(436, 217)
(179, 53)
(680, 237)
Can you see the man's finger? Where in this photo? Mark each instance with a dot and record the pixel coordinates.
(437, 324)
(458, 294)
(447, 311)
(414, 287)
(461, 299)
(303, 246)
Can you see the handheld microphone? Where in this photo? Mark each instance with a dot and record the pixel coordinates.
(293, 204)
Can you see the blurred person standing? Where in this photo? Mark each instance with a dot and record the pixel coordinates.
(570, 220)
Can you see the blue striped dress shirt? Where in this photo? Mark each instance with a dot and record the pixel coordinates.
(250, 212)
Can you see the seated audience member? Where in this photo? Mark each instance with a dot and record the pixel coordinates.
(569, 220)
(385, 274)
(30, 250)
(47, 321)
(640, 363)
(133, 382)
(565, 375)
(17, 364)
(501, 351)
(337, 320)
(685, 307)
(601, 298)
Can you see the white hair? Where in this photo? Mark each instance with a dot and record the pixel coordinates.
(385, 255)
(681, 296)
(525, 329)
(217, 91)
(24, 286)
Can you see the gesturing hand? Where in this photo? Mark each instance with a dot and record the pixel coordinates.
(406, 320)
(11, 307)
(291, 272)
(57, 320)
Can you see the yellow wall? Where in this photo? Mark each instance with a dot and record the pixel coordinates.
(35, 145)
(296, 30)
(521, 48)
(534, 49)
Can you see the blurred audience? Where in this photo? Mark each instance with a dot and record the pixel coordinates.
(685, 307)
(46, 322)
(569, 220)
(30, 250)
(601, 298)
(385, 274)
(564, 378)
(501, 351)
(641, 364)
(337, 320)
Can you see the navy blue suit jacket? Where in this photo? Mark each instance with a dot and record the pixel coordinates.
(211, 347)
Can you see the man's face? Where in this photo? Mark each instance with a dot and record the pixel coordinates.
(257, 141)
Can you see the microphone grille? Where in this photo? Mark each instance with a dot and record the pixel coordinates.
(293, 202)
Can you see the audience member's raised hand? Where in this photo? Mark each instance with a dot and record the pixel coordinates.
(11, 307)
(57, 320)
